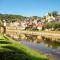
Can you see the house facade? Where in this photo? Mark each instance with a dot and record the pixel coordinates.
(50, 18)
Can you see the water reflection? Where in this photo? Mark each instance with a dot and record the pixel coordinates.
(52, 44)
(48, 41)
(48, 45)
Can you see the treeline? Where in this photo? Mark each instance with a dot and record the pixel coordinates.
(10, 17)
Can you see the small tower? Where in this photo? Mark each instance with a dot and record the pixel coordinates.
(4, 23)
(4, 27)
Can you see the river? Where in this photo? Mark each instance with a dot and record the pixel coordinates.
(41, 44)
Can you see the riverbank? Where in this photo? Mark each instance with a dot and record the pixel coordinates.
(41, 33)
(12, 50)
(18, 31)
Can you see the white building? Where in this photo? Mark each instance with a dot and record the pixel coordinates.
(51, 19)
(15, 24)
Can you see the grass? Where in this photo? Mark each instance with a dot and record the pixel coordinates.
(12, 50)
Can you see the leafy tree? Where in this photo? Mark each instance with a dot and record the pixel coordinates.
(34, 17)
(49, 14)
(54, 13)
(54, 25)
(49, 25)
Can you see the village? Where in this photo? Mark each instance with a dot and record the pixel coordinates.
(38, 23)
(29, 30)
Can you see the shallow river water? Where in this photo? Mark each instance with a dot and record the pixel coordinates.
(42, 44)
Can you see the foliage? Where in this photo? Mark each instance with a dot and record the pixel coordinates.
(10, 17)
(54, 25)
(54, 13)
(48, 25)
(34, 17)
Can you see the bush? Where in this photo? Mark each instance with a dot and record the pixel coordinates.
(54, 25)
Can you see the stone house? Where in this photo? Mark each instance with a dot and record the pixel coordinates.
(40, 25)
(15, 24)
(50, 19)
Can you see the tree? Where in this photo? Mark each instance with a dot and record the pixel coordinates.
(49, 14)
(49, 25)
(54, 25)
(34, 17)
(55, 13)
(10, 17)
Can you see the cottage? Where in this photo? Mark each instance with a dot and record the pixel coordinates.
(40, 25)
(15, 24)
(50, 18)
(23, 25)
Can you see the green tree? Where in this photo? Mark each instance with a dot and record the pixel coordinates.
(54, 25)
(49, 25)
(55, 13)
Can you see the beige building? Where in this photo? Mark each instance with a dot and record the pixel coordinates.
(50, 18)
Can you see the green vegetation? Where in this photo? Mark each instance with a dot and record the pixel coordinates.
(12, 50)
(54, 25)
(10, 17)
(53, 13)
